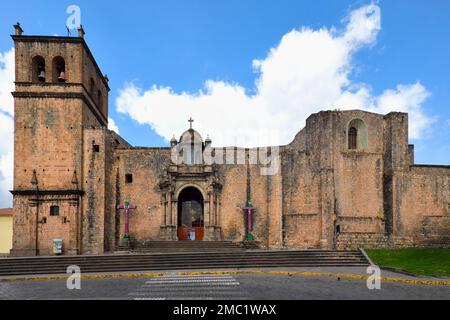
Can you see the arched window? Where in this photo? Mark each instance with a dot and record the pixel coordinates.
(352, 138)
(99, 100)
(92, 88)
(357, 134)
(59, 70)
(38, 69)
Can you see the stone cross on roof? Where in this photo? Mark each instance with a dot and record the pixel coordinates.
(191, 121)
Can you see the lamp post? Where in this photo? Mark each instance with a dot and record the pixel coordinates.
(127, 206)
(249, 210)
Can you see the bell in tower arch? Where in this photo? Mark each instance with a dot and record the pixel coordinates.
(59, 70)
(62, 76)
(41, 76)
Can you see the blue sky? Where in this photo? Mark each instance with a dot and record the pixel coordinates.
(182, 44)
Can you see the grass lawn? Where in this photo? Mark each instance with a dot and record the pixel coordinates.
(427, 262)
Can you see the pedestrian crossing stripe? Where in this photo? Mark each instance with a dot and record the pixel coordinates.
(176, 286)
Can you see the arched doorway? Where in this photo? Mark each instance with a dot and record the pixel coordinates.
(190, 215)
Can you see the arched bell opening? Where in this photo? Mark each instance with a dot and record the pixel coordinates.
(38, 73)
(59, 70)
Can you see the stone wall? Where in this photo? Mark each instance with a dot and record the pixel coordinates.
(358, 175)
(327, 193)
(47, 48)
(301, 200)
(425, 204)
(94, 182)
(53, 165)
(146, 166)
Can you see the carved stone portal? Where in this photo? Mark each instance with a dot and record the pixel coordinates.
(194, 176)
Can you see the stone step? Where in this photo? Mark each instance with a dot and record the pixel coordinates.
(163, 267)
(184, 264)
(183, 259)
(127, 257)
(183, 246)
(176, 259)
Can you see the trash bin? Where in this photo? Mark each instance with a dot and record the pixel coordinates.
(57, 246)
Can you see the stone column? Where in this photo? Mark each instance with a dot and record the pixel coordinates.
(174, 215)
(327, 208)
(34, 210)
(74, 233)
(275, 209)
(211, 208)
(218, 209)
(168, 229)
(170, 210)
(207, 213)
(212, 230)
(174, 210)
(164, 209)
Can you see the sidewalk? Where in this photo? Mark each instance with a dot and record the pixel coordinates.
(356, 273)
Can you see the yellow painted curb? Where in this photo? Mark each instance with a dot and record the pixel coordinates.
(94, 276)
(320, 274)
(233, 272)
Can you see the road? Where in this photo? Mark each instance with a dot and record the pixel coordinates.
(222, 287)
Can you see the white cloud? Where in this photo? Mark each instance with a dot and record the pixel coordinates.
(306, 72)
(112, 125)
(6, 127)
(407, 98)
(7, 82)
(363, 25)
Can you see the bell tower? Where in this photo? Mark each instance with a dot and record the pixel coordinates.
(61, 115)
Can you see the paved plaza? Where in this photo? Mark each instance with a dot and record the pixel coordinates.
(292, 284)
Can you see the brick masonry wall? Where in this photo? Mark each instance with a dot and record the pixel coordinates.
(146, 166)
(54, 227)
(358, 176)
(301, 200)
(24, 228)
(234, 193)
(94, 184)
(71, 52)
(51, 138)
(90, 72)
(47, 139)
(425, 205)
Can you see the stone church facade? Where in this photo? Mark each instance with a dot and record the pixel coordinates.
(347, 180)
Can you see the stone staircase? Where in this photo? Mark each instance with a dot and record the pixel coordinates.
(181, 261)
(250, 245)
(182, 247)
